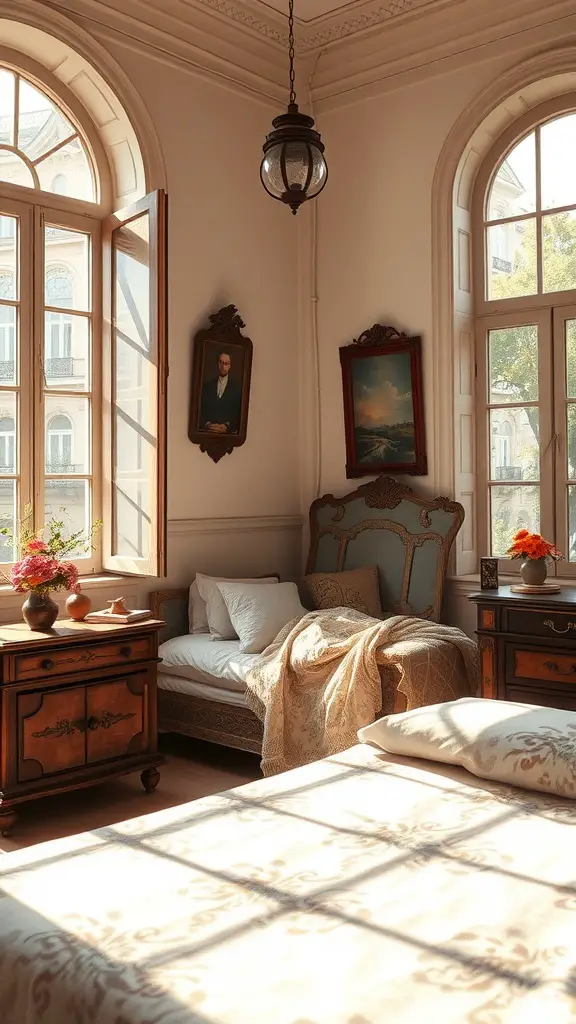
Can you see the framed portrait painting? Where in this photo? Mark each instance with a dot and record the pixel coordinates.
(383, 405)
(220, 390)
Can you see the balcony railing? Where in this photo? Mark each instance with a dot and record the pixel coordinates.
(63, 366)
(507, 472)
(57, 466)
(7, 369)
(504, 265)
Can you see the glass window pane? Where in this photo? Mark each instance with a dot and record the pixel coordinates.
(8, 261)
(134, 391)
(8, 345)
(14, 171)
(6, 107)
(571, 442)
(70, 502)
(8, 434)
(67, 434)
(67, 352)
(68, 264)
(132, 521)
(513, 364)
(559, 252)
(8, 518)
(514, 444)
(514, 187)
(511, 259)
(512, 509)
(67, 172)
(41, 125)
(570, 340)
(558, 156)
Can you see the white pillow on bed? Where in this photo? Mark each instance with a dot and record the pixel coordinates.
(524, 745)
(258, 614)
(219, 624)
(197, 618)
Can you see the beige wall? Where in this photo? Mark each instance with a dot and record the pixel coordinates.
(374, 233)
(228, 243)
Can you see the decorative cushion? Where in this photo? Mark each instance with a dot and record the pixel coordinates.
(219, 623)
(522, 744)
(258, 614)
(197, 618)
(353, 588)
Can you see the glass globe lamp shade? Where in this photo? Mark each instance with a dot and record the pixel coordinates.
(293, 168)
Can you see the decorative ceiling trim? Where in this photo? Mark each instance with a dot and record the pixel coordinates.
(244, 15)
(342, 29)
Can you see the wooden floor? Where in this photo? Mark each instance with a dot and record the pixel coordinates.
(193, 769)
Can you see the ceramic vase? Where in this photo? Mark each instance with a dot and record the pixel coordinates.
(534, 571)
(39, 611)
(78, 606)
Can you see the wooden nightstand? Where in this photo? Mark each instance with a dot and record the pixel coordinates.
(77, 707)
(528, 646)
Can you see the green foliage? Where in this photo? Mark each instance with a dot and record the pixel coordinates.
(58, 544)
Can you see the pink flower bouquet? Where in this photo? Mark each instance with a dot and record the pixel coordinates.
(42, 566)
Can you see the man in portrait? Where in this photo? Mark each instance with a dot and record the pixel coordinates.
(221, 401)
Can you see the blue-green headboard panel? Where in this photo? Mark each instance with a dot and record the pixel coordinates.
(384, 523)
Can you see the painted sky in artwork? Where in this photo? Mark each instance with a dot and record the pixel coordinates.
(382, 390)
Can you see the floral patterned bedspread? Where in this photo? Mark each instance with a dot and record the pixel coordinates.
(356, 890)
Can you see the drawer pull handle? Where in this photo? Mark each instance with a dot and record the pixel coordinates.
(550, 624)
(125, 652)
(107, 719)
(553, 666)
(46, 664)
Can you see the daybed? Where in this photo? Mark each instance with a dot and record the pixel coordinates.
(201, 683)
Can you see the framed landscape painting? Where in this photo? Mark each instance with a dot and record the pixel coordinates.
(383, 406)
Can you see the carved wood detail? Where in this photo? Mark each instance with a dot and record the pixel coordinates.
(488, 667)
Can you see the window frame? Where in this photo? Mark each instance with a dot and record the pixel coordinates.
(541, 308)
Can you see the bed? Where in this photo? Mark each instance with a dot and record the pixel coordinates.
(382, 523)
(362, 889)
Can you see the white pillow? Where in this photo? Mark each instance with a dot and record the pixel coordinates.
(522, 744)
(197, 618)
(259, 614)
(219, 624)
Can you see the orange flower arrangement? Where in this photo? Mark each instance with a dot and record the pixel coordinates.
(532, 545)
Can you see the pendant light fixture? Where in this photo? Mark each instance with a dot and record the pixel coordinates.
(293, 168)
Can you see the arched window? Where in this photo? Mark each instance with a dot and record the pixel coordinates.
(64, 261)
(59, 445)
(526, 365)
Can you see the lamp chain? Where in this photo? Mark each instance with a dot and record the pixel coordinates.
(291, 49)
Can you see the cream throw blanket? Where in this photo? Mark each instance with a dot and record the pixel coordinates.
(319, 682)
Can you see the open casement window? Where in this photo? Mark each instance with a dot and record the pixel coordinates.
(525, 299)
(134, 389)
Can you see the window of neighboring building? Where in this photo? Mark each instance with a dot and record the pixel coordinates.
(87, 440)
(526, 365)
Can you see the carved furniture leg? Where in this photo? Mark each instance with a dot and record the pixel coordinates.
(150, 779)
(7, 819)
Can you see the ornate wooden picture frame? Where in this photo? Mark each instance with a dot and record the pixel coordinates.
(383, 403)
(220, 388)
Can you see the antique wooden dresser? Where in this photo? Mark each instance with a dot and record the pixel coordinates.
(528, 646)
(77, 707)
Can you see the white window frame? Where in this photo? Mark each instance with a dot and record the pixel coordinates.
(547, 311)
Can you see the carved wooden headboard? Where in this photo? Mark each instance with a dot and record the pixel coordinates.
(384, 523)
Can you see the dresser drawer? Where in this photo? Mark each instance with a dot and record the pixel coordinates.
(62, 661)
(560, 625)
(545, 665)
(547, 697)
